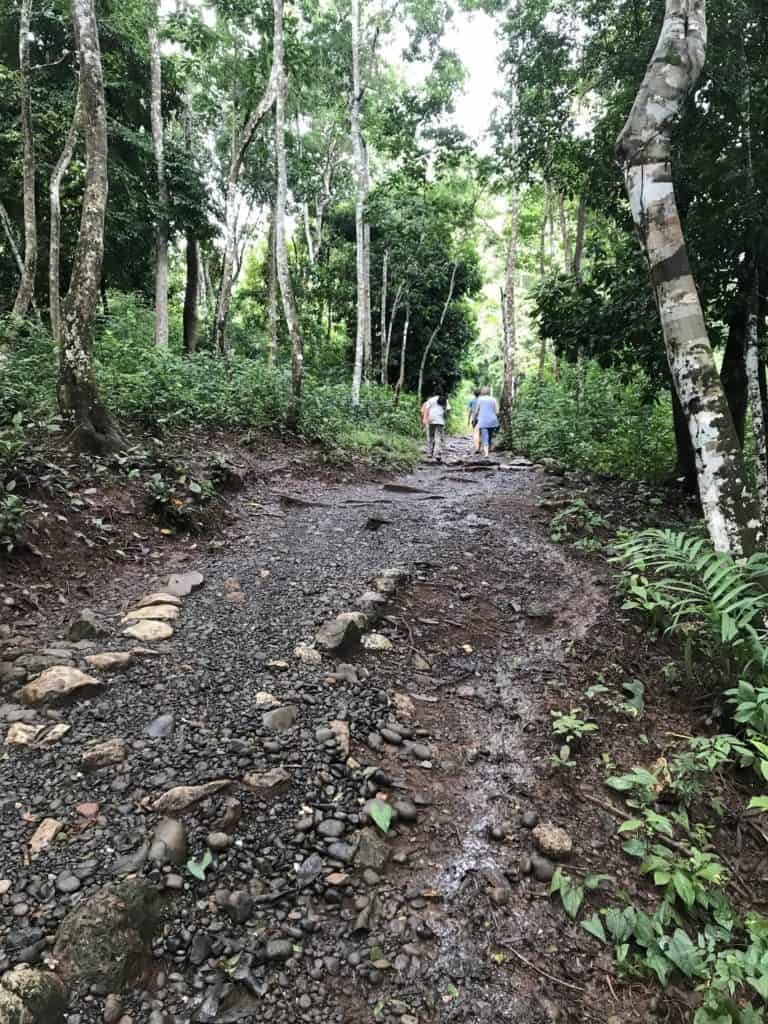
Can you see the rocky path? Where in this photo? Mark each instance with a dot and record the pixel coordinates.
(188, 828)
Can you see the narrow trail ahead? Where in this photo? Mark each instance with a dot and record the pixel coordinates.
(304, 913)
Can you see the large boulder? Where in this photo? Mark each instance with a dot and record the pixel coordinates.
(31, 996)
(58, 685)
(106, 940)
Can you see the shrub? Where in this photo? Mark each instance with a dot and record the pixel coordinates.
(180, 501)
(13, 514)
(592, 419)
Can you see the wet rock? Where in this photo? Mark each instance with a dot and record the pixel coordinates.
(99, 755)
(229, 821)
(58, 685)
(130, 863)
(267, 784)
(281, 719)
(406, 811)
(149, 631)
(530, 819)
(342, 632)
(169, 843)
(240, 906)
(161, 726)
(109, 661)
(87, 626)
(331, 828)
(218, 841)
(341, 732)
(552, 841)
(421, 664)
(182, 584)
(310, 870)
(66, 882)
(377, 642)
(113, 1008)
(421, 751)
(542, 868)
(44, 835)
(540, 612)
(31, 996)
(36, 736)
(106, 940)
(181, 798)
(201, 949)
(372, 850)
(279, 949)
(307, 654)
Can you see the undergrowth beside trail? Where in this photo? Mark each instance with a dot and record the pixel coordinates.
(594, 419)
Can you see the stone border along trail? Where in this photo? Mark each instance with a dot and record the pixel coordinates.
(185, 828)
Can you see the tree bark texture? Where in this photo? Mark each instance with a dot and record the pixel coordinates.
(5, 220)
(390, 325)
(403, 350)
(272, 285)
(509, 352)
(191, 294)
(581, 226)
(54, 243)
(161, 227)
(281, 248)
(565, 233)
(685, 467)
(755, 398)
(26, 292)
(240, 145)
(733, 371)
(436, 331)
(643, 148)
(383, 327)
(94, 428)
(361, 194)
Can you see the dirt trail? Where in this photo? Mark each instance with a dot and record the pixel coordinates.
(482, 638)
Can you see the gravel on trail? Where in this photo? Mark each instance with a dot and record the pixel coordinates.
(333, 834)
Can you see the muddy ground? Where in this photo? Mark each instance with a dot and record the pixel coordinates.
(496, 627)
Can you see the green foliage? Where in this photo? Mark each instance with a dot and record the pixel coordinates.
(13, 514)
(704, 596)
(180, 500)
(590, 419)
(578, 524)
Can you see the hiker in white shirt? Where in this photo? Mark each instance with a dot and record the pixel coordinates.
(436, 409)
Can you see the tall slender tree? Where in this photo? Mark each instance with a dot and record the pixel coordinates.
(94, 428)
(26, 292)
(644, 152)
(281, 249)
(161, 225)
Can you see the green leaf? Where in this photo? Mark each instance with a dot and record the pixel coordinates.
(594, 926)
(381, 812)
(621, 782)
(684, 888)
(632, 825)
(591, 882)
(759, 803)
(683, 954)
(572, 898)
(635, 848)
(198, 867)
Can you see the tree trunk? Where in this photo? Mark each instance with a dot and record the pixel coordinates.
(509, 353)
(755, 397)
(383, 328)
(567, 257)
(191, 294)
(403, 348)
(272, 273)
(581, 226)
(26, 292)
(685, 468)
(281, 253)
(308, 234)
(161, 227)
(358, 150)
(54, 248)
(206, 277)
(94, 428)
(390, 325)
(368, 340)
(644, 147)
(733, 372)
(433, 335)
(240, 145)
(5, 220)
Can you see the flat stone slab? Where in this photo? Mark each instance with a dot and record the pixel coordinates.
(149, 630)
(99, 755)
(44, 834)
(157, 612)
(36, 736)
(267, 783)
(182, 584)
(109, 661)
(59, 684)
(181, 798)
(159, 597)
